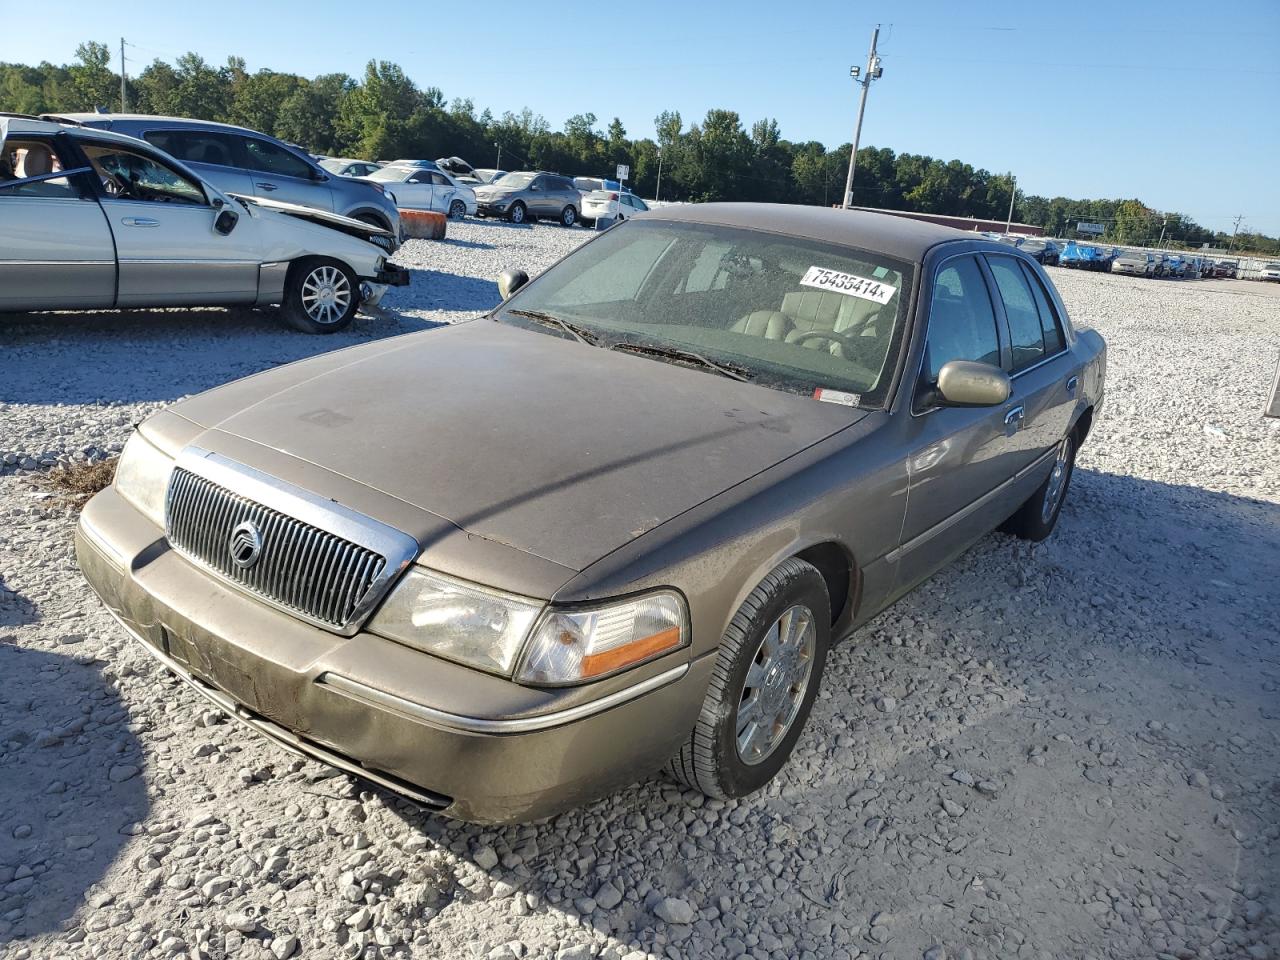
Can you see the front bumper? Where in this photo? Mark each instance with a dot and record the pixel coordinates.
(392, 275)
(365, 704)
(492, 208)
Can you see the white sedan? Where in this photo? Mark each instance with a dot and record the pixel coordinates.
(91, 219)
(420, 188)
(609, 204)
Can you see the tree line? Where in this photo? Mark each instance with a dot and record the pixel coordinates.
(385, 115)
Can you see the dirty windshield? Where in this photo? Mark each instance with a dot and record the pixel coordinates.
(785, 312)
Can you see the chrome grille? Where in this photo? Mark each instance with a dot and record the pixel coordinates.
(319, 575)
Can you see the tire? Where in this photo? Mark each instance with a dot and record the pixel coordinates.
(1036, 518)
(518, 213)
(320, 295)
(457, 210)
(712, 760)
(568, 216)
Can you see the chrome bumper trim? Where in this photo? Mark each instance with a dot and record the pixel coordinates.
(452, 721)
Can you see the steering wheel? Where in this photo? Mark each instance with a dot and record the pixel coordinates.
(114, 186)
(844, 339)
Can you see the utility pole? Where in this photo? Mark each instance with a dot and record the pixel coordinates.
(1163, 223)
(1013, 192)
(499, 163)
(124, 103)
(658, 193)
(873, 72)
(1234, 230)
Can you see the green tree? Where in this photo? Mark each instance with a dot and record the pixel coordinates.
(92, 82)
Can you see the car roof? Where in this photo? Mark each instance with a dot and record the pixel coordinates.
(161, 121)
(15, 125)
(900, 237)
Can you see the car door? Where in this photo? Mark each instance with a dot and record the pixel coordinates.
(443, 192)
(1045, 380)
(162, 220)
(279, 174)
(959, 459)
(417, 192)
(541, 199)
(55, 245)
(211, 155)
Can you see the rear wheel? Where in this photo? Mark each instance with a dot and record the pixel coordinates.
(1037, 517)
(763, 685)
(320, 295)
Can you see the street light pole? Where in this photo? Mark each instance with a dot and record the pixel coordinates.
(873, 71)
(123, 100)
(1013, 192)
(657, 194)
(499, 163)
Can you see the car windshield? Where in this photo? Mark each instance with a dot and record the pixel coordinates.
(392, 174)
(515, 181)
(786, 312)
(1032, 245)
(335, 166)
(1272, 266)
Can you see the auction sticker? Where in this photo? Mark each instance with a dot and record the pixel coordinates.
(837, 396)
(849, 284)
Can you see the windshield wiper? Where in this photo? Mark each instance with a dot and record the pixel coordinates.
(581, 334)
(688, 356)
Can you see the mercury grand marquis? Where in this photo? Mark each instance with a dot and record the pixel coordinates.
(615, 526)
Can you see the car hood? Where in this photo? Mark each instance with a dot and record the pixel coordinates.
(557, 449)
(336, 221)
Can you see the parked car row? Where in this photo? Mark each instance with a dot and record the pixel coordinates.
(93, 218)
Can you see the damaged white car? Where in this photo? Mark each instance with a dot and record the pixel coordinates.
(91, 219)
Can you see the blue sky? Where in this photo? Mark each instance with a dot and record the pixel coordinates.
(1173, 102)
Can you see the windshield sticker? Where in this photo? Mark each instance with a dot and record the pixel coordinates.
(837, 396)
(849, 284)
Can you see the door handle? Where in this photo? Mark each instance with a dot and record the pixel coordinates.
(1015, 415)
(266, 186)
(140, 222)
(1072, 384)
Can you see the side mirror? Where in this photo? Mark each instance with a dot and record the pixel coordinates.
(966, 383)
(226, 221)
(509, 281)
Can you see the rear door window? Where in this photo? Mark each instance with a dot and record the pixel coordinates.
(962, 321)
(268, 158)
(23, 159)
(1050, 324)
(1026, 336)
(195, 146)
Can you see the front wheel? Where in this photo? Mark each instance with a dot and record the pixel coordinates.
(1037, 517)
(320, 296)
(763, 685)
(457, 210)
(568, 216)
(517, 212)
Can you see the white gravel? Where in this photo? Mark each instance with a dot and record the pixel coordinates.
(1065, 751)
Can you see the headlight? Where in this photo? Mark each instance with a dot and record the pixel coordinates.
(571, 646)
(457, 621)
(142, 477)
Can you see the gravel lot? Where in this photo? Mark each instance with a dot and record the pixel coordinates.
(1071, 750)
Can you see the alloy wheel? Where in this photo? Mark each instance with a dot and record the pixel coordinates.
(326, 294)
(775, 685)
(1057, 480)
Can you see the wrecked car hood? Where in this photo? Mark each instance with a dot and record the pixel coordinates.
(348, 225)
